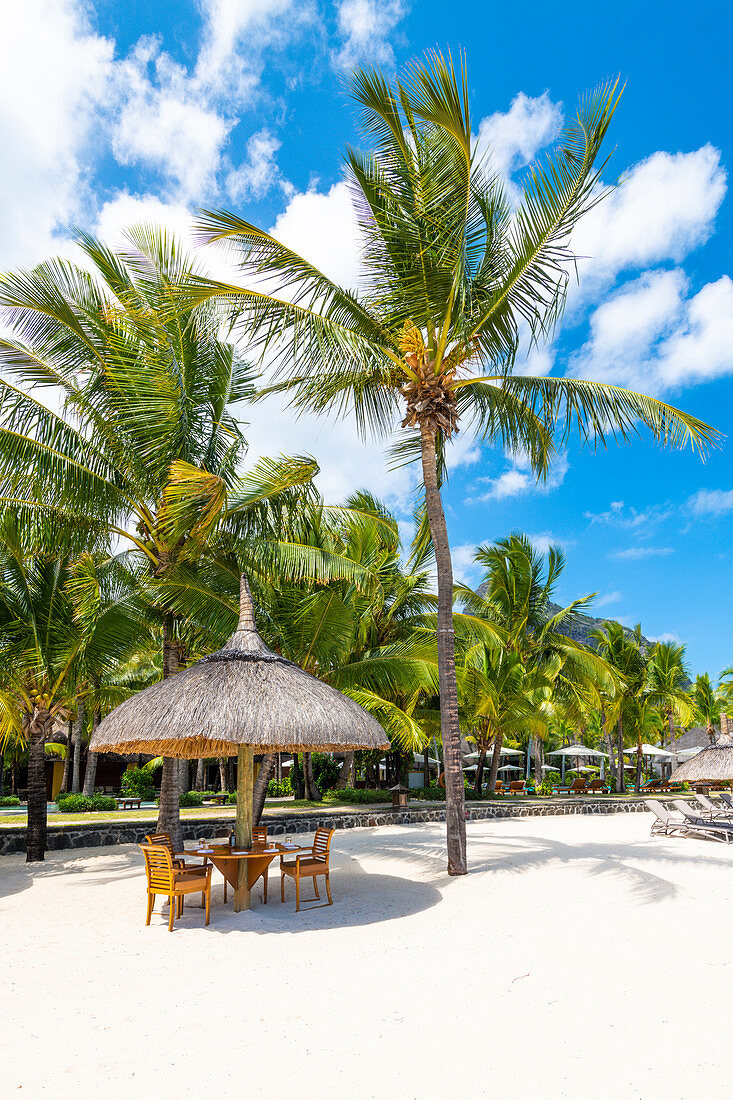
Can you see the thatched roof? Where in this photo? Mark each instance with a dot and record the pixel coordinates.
(710, 765)
(244, 694)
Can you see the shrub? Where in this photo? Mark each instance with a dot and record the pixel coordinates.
(137, 783)
(232, 798)
(429, 794)
(80, 804)
(191, 798)
(325, 771)
(357, 797)
(279, 788)
(9, 800)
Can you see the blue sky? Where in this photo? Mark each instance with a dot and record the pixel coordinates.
(112, 113)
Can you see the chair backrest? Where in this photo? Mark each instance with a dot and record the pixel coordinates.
(686, 810)
(705, 802)
(516, 785)
(579, 785)
(727, 797)
(595, 784)
(657, 808)
(499, 786)
(158, 839)
(322, 843)
(259, 834)
(159, 866)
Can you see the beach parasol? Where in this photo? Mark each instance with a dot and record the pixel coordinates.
(711, 765)
(243, 699)
(647, 750)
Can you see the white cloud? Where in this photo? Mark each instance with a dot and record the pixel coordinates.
(259, 172)
(618, 516)
(668, 637)
(637, 553)
(543, 541)
(365, 27)
(608, 598)
(663, 208)
(465, 569)
(235, 31)
(511, 139)
(54, 73)
(519, 480)
(711, 502)
(651, 336)
(323, 228)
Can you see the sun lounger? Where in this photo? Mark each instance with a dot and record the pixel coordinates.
(516, 786)
(666, 823)
(727, 799)
(698, 825)
(712, 809)
(596, 786)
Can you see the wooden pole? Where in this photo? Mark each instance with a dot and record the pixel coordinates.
(245, 761)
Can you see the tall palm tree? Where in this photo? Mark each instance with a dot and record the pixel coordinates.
(451, 276)
(515, 596)
(52, 638)
(146, 443)
(708, 701)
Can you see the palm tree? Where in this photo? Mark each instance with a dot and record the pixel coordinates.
(669, 680)
(708, 701)
(500, 697)
(51, 638)
(146, 444)
(515, 597)
(451, 277)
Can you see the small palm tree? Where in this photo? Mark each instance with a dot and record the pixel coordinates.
(451, 276)
(515, 597)
(669, 681)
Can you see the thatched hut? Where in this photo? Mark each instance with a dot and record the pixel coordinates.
(713, 764)
(241, 700)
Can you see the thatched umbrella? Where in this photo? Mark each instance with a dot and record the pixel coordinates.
(238, 701)
(710, 765)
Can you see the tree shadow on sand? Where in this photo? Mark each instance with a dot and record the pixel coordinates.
(18, 876)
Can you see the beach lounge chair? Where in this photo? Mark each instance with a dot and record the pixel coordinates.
(666, 822)
(727, 799)
(517, 786)
(578, 786)
(597, 785)
(499, 787)
(714, 810)
(309, 863)
(651, 786)
(172, 882)
(712, 830)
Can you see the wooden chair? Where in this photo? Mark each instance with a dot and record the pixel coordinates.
(259, 836)
(499, 787)
(178, 861)
(309, 864)
(578, 786)
(596, 786)
(516, 786)
(174, 883)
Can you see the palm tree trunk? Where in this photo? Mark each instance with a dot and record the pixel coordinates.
(296, 778)
(90, 775)
(455, 804)
(639, 762)
(495, 761)
(169, 813)
(222, 774)
(260, 785)
(39, 725)
(76, 774)
(346, 774)
(620, 784)
(537, 761)
(183, 776)
(426, 766)
(2, 772)
(311, 787)
(199, 781)
(66, 777)
(479, 780)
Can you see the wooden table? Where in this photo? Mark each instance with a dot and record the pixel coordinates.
(129, 803)
(219, 799)
(227, 860)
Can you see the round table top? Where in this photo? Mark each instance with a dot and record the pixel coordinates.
(224, 850)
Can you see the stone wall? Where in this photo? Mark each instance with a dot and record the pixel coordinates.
(92, 835)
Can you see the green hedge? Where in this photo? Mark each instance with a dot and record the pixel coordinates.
(138, 783)
(9, 800)
(357, 797)
(80, 804)
(191, 798)
(279, 788)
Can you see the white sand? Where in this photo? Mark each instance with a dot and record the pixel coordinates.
(580, 958)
